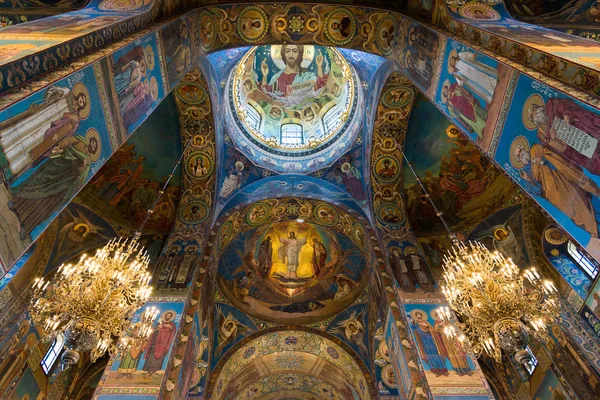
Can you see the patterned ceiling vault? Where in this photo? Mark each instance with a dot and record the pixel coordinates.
(293, 363)
(294, 256)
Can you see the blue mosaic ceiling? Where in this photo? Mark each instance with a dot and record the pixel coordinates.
(293, 108)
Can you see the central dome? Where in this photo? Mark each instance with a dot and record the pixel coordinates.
(293, 108)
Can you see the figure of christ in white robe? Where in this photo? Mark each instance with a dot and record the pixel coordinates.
(477, 77)
(289, 253)
(24, 132)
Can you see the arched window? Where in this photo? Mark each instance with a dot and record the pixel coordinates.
(533, 363)
(584, 263)
(52, 354)
(292, 134)
(252, 118)
(332, 119)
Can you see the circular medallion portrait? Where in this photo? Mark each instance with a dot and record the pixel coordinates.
(199, 166)
(193, 212)
(390, 214)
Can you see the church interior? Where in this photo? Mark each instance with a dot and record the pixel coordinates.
(337, 200)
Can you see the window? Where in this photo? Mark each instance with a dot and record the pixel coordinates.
(52, 354)
(291, 134)
(332, 119)
(532, 364)
(252, 118)
(586, 265)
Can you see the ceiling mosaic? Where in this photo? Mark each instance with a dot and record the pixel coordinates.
(294, 108)
(297, 364)
(293, 263)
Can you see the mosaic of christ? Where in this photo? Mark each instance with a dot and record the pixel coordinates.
(291, 270)
(306, 89)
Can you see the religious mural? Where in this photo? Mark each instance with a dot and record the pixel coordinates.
(551, 388)
(462, 183)
(138, 80)
(177, 40)
(555, 249)
(445, 364)
(51, 145)
(387, 384)
(572, 363)
(471, 90)
(128, 185)
(237, 171)
(145, 365)
(351, 326)
(419, 53)
(289, 101)
(549, 126)
(291, 271)
(20, 354)
(230, 326)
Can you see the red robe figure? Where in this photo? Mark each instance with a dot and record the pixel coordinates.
(159, 344)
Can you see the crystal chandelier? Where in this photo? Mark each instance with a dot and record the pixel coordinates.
(92, 302)
(498, 307)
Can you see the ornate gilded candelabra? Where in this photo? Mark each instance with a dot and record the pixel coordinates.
(498, 307)
(92, 303)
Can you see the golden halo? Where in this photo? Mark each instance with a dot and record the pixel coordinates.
(79, 88)
(534, 99)
(519, 141)
(383, 351)
(453, 54)
(154, 88)
(452, 132)
(93, 133)
(435, 315)
(388, 376)
(87, 228)
(190, 246)
(345, 167)
(498, 231)
(149, 56)
(555, 236)
(307, 56)
(414, 312)
(162, 316)
(446, 84)
(410, 250)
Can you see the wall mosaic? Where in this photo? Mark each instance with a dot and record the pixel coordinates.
(142, 369)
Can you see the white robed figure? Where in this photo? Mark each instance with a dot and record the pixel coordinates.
(478, 78)
(289, 253)
(29, 134)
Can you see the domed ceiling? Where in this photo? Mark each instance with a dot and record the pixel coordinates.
(294, 108)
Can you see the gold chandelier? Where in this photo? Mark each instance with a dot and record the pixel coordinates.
(498, 307)
(92, 303)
